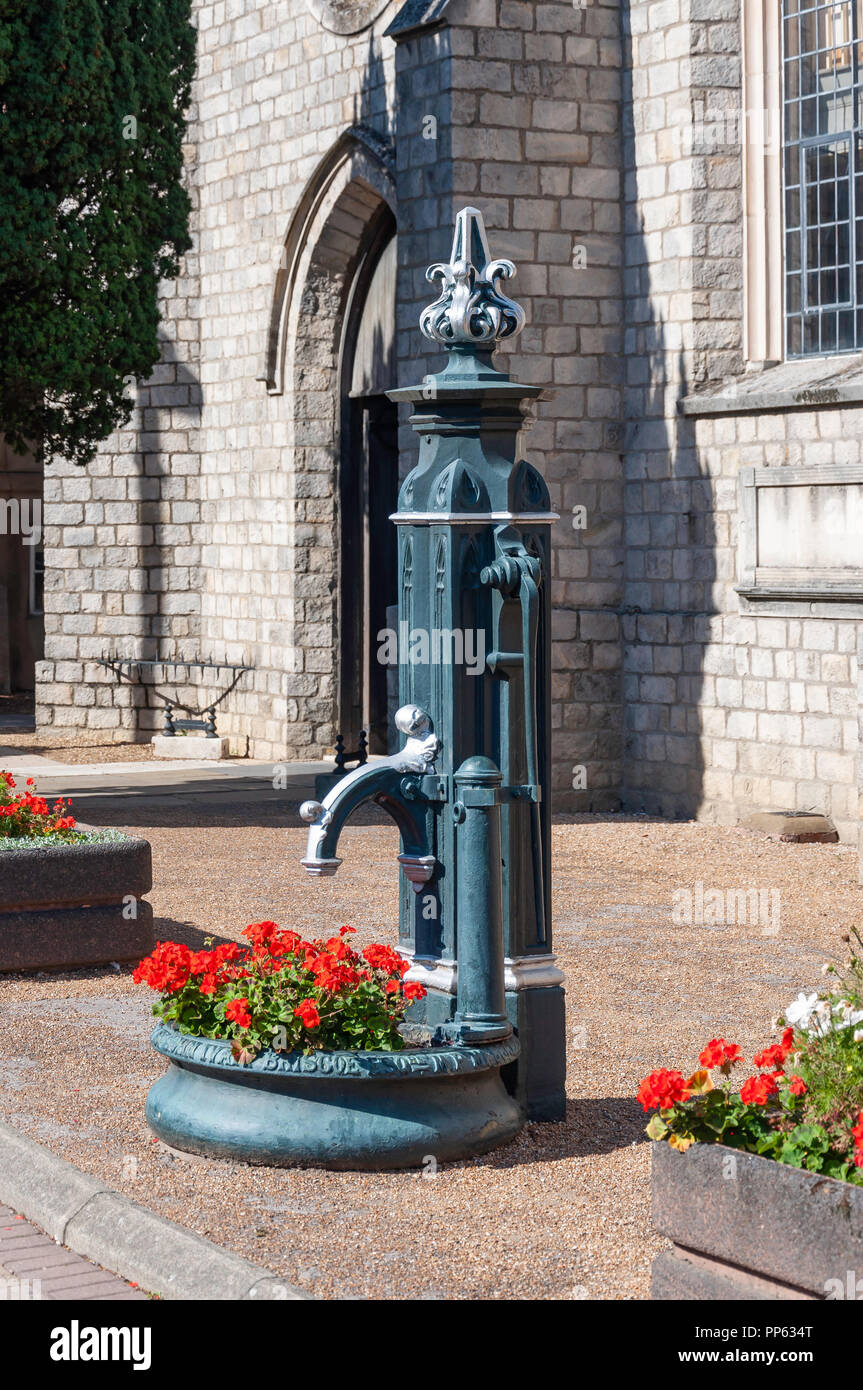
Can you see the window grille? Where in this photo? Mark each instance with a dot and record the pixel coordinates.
(822, 176)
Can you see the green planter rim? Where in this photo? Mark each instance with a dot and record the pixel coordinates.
(215, 1054)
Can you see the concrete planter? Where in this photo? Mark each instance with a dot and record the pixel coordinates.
(63, 905)
(346, 1110)
(749, 1228)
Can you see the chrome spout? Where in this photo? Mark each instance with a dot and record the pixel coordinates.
(381, 782)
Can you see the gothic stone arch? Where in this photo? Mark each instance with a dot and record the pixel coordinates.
(336, 227)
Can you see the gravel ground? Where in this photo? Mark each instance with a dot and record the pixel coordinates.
(72, 748)
(561, 1213)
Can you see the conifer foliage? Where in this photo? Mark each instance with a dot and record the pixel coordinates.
(94, 213)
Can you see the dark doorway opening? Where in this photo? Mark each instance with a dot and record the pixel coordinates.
(21, 571)
(370, 556)
(368, 494)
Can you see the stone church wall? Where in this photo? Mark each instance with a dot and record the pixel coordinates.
(584, 135)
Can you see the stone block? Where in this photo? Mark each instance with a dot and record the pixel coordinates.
(192, 747)
(798, 827)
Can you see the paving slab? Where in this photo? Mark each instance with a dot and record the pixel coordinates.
(35, 1268)
(92, 1225)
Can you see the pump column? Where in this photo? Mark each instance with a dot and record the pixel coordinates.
(481, 999)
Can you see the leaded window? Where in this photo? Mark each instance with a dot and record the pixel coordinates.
(822, 173)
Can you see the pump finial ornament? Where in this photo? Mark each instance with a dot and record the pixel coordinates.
(471, 310)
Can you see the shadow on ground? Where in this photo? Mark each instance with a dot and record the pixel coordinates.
(592, 1126)
(146, 812)
(188, 934)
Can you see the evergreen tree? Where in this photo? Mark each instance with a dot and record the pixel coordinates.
(92, 210)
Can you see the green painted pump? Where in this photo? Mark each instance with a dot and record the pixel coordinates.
(470, 789)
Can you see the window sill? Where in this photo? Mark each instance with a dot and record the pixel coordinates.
(775, 602)
(807, 383)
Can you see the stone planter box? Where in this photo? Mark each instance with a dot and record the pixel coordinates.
(343, 1110)
(63, 905)
(750, 1228)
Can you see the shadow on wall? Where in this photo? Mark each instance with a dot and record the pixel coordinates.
(370, 102)
(167, 490)
(670, 537)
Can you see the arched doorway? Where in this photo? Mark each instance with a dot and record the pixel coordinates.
(368, 491)
(330, 353)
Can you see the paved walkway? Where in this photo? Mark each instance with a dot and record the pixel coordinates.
(95, 787)
(34, 1268)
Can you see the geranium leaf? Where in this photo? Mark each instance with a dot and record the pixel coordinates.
(699, 1083)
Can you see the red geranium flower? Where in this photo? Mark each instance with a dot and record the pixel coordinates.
(771, 1056)
(797, 1086)
(308, 1014)
(385, 958)
(775, 1055)
(330, 974)
(758, 1089)
(237, 1010)
(339, 948)
(662, 1089)
(260, 933)
(167, 969)
(719, 1053)
(857, 1132)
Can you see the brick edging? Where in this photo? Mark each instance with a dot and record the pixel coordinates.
(46, 1271)
(101, 1224)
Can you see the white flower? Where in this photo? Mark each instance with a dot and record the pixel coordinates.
(858, 1034)
(800, 1010)
(822, 1020)
(818, 1017)
(844, 1016)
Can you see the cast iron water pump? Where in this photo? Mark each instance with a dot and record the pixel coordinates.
(470, 789)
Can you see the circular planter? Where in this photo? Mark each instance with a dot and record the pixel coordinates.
(349, 1110)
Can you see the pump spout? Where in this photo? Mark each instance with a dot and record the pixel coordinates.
(390, 785)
